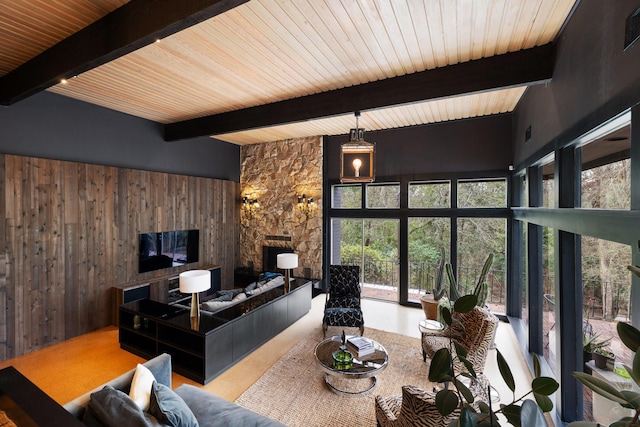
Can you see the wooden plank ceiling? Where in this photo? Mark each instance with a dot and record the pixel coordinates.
(276, 69)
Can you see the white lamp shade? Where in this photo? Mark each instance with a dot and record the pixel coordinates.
(287, 261)
(195, 281)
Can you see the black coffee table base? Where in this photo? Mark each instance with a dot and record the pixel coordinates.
(371, 380)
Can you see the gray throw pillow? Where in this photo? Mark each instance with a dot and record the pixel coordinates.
(250, 287)
(214, 305)
(229, 293)
(169, 408)
(225, 296)
(113, 408)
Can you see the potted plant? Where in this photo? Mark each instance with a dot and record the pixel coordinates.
(595, 349)
(457, 397)
(603, 359)
(431, 302)
(591, 344)
(630, 337)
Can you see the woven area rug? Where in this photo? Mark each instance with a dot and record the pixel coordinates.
(293, 390)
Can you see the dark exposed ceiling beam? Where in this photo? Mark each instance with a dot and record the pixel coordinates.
(526, 67)
(128, 28)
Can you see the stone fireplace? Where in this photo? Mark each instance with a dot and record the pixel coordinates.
(276, 174)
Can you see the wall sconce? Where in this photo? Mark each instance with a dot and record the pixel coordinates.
(357, 157)
(306, 204)
(249, 206)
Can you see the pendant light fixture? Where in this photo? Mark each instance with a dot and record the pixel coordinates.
(357, 157)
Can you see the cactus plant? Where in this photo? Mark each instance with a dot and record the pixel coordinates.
(439, 291)
(431, 303)
(481, 289)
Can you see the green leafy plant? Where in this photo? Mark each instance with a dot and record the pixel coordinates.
(630, 336)
(603, 351)
(456, 396)
(481, 289)
(591, 343)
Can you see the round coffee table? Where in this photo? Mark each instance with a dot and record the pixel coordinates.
(366, 367)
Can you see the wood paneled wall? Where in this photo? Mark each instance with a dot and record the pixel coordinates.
(71, 233)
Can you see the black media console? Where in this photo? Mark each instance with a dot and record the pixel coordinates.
(148, 328)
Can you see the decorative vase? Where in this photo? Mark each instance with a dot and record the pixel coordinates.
(342, 358)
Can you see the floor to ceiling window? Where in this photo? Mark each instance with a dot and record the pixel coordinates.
(548, 303)
(605, 183)
(396, 232)
(478, 237)
(583, 241)
(370, 243)
(524, 298)
(427, 238)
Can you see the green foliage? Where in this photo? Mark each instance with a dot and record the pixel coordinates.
(465, 303)
(356, 252)
(419, 250)
(520, 412)
(439, 291)
(591, 344)
(630, 336)
(441, 369)
(505, 372)
(485, 193)
(481, 289)
(453, 284)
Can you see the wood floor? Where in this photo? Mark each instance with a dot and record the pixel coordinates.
(72, 368)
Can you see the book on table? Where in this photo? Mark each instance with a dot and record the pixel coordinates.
(360, 346)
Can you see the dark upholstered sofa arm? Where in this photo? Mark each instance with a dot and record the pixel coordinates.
(160, 367)
(211, 410)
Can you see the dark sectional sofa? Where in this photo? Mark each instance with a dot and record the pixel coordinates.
(208, 409)
(229, 297)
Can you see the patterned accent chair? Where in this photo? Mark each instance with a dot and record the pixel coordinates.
(475, 332)
(416, 407)
(342, 305)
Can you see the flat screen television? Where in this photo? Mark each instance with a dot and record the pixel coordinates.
(167, 249)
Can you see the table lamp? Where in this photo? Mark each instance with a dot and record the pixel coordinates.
(193, 282)
(287, 261)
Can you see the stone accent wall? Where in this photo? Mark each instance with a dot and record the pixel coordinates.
(276, 173)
